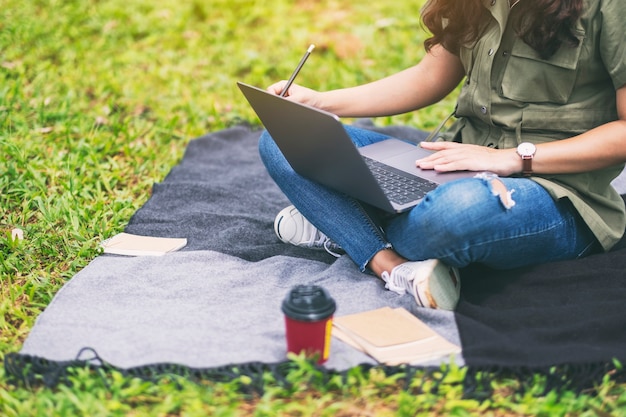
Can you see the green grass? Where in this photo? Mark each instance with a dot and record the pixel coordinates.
(98, 99)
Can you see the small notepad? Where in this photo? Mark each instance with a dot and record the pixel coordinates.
(392, 336)
(136, 245)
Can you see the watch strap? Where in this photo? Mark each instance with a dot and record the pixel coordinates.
(527, 166)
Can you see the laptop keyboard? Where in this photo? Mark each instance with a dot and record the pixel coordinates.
(399, 186)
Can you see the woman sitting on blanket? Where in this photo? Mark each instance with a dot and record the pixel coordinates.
(543, 106)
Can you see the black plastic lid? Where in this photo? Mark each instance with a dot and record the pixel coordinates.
(308, 303)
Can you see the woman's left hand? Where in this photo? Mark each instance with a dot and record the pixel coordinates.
(452, 156)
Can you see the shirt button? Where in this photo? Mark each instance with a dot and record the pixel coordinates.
(493, 2)
(483, 110)
(490, 52)
(505, 53)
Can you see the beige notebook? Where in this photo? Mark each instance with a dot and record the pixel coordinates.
(135, 245)
(392, 336)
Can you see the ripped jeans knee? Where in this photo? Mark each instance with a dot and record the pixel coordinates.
(498, 188)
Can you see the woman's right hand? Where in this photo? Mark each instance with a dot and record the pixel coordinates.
(297, 93)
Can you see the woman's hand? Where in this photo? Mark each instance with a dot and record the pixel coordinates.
(297, 93)
(452, 156)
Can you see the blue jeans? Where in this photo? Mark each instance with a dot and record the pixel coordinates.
(461, 222)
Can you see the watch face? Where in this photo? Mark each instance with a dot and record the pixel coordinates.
(526, 149)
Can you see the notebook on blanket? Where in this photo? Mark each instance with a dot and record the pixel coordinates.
(216, 302)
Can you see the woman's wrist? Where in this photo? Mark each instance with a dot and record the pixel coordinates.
(514, 163)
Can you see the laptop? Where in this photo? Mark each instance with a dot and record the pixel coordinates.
(317, 146)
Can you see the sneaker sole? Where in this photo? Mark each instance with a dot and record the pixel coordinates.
(443, 290)
(443, 287)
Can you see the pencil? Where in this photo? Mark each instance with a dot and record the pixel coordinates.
(297, 70)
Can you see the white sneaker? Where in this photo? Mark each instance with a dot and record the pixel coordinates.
(292, 227)
(431, 282)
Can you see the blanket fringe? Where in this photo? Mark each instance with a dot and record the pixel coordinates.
(578, 378)
(478, 382)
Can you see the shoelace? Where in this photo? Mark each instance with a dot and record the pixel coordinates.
(312, 237)
(397, 282)
(394, 282)
(327, 243)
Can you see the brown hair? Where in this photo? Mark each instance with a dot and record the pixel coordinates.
(545, 25)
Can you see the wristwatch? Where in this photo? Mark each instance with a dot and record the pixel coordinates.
(526, 151)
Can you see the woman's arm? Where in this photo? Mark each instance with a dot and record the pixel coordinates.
(597, 148)
(434, 77)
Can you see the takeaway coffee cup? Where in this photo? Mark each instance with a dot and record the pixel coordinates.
(308, 312)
